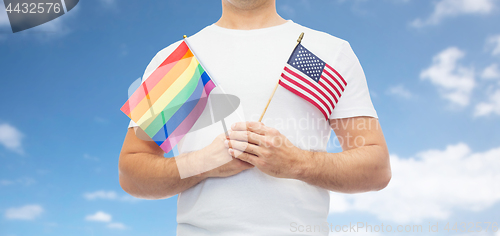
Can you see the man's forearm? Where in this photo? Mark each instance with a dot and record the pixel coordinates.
(150, 176)
(145, 173)
(356, 170)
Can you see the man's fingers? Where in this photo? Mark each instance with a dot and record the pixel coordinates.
(246, 136)
(246, 157)
(239, 126)
(241, 146)
(252, 126)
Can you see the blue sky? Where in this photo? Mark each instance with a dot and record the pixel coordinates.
(433, 69)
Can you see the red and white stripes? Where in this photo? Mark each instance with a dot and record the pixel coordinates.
(323, 94)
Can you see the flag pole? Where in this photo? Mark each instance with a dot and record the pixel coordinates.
(277, 84)
(185, 39)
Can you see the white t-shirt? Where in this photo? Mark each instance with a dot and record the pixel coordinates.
(248, 64)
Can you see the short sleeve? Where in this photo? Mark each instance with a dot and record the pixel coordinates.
(355, 101)
(153, 64)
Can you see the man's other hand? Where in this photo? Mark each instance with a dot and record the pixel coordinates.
(265, 148)
(217, 149)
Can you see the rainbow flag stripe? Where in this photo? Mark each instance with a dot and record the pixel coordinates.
(171, 99)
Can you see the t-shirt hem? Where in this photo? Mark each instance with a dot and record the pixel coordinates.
(356, 112)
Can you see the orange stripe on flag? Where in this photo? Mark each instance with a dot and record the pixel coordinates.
(160, 88)
(182, 51)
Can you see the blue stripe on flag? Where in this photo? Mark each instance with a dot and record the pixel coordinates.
(205, 78)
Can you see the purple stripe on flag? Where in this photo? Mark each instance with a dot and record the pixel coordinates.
(209, 86)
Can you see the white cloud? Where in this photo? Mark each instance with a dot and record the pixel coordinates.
(492, 106)
(494, 43)
(431, 186)
(109, 195)
(99, 216)
(454, 81)
(11, 138)
(450, 8)
(491, 72)
(117, 225)
(28, 212)
(400, 91)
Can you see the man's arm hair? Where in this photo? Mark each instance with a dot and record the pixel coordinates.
(362, 166)
(145, 173)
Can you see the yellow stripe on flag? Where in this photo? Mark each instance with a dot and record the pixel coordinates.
(168, 95)
(158, 90)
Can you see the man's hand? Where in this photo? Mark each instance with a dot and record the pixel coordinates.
(218, 150)
(362, 166)
(267, 149)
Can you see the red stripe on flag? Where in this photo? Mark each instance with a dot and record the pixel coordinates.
(126, 108)
(334, 79)
(329, 67)
(329, 91)
(331, 85)
(304, 97)
(313, 85)
(179, 52)
(306, 89)
(308, 93)
(155, 77)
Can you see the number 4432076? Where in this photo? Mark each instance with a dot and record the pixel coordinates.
(34, 8)
(472, 227)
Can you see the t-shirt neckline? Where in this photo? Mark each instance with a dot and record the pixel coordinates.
(251, 31)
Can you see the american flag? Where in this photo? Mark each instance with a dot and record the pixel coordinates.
(313, 80)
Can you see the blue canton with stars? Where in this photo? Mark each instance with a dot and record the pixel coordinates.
(306, 62)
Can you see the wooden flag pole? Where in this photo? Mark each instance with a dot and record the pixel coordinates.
(277, 84)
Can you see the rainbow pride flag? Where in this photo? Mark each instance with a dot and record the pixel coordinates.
(171, 99)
